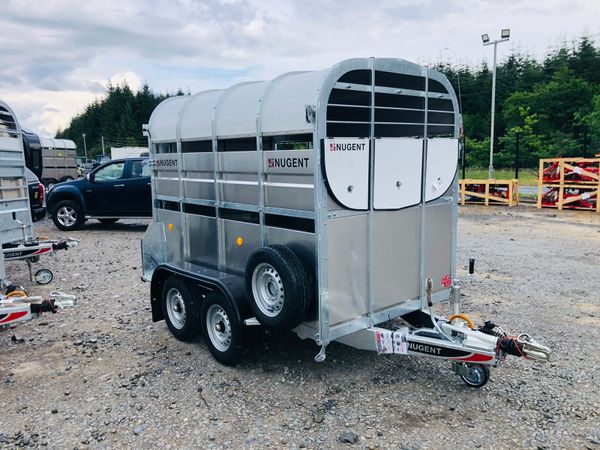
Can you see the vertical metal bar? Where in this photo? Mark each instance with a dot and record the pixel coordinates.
(422, 241)
(491, 168)
(370, 288)
(517, 158)
(220, 234)
(184, 225)
(320, 195)
(260, 171)
(540, 181)
(152, 153)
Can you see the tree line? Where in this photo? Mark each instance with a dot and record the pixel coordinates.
(549, 108)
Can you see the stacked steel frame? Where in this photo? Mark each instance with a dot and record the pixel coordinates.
(569, 183)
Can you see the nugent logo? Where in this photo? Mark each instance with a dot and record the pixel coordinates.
(163, 163)
(347, 146)
(287, 162)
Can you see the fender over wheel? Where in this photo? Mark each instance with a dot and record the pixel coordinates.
(180, 309)
(278, 287)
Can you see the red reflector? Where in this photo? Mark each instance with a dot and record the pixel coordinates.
(41, 191)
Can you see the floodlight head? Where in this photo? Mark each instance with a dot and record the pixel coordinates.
(505, 33)
(485, 38)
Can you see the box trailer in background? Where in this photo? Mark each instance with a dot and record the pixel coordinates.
(59, 159)
(319, 202)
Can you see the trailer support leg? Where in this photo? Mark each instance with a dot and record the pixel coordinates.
(320, 357)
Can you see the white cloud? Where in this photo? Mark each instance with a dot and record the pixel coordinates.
(58, 55)
(129, 77)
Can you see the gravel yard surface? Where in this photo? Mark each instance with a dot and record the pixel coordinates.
(102, 375)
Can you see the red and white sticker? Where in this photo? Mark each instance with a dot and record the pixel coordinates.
(446, 281)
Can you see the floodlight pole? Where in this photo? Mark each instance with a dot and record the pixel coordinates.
(495, 44)
(84, 147)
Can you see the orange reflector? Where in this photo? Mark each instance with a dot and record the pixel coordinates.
(170, 227)
(239, 241)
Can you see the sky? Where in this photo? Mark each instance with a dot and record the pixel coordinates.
(59, 55)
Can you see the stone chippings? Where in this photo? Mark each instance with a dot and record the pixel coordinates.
(102, 375)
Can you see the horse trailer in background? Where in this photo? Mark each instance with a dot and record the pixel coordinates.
(319, 202)
(59, 158)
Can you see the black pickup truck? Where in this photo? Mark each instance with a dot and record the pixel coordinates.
(36, 196)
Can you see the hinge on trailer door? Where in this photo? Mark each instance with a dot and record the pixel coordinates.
(310, 113)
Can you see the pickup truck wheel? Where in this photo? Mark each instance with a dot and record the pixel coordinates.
(107, 221)
(222, 330)
(68, 215)
(180, 309)
(278, 287)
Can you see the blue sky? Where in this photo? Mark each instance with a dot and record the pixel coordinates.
(58, 55)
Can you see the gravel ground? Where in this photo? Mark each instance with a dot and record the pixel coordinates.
(102, 375)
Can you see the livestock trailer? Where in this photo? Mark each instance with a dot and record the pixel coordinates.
(320, 202)
(59, 157)
(15, 214)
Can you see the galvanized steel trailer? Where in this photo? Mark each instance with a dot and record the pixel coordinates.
(15, 213)
(323, 202)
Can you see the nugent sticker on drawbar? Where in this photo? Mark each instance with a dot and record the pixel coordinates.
(347, 171)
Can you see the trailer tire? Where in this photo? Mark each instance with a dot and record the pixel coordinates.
(180, 309)
(278, 287)
(68, 215)
(222, 329)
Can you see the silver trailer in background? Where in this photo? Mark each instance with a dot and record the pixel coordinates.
(59, 160)
(322, 202)
(15, 213)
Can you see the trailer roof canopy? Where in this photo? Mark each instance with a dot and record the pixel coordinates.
(61, 144)
(279, 107)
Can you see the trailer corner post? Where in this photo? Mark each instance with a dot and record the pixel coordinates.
(422, 205)
(320, 196)
(370, 290)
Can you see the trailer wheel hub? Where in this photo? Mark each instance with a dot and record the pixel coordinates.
(176, 308)
(267, 288)
(218, 327)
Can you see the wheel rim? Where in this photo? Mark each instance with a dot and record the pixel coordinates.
(476, 376)
(67, 216)
(219, 327)
(267, 289)
(176, 308)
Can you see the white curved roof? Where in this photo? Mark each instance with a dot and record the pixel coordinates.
(59, 144)
(279, 104)
(295, 90)
(165, 117)
(237, 110)
(197, 115)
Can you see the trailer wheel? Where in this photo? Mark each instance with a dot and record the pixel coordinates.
(180, 309)
(222, 330)
(278, 287)
(478, 377)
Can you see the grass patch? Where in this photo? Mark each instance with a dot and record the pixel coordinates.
(527, 177)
